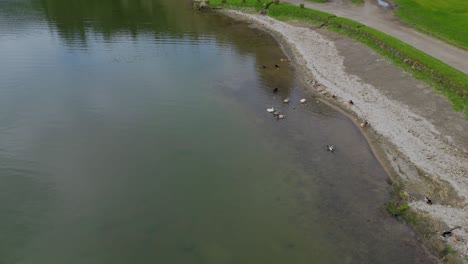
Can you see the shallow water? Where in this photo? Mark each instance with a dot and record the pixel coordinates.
(137, 132)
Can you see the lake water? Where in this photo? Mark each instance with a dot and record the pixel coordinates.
(136, 131)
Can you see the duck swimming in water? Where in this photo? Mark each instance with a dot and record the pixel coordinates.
(280, 116)
(277, 66)
(270, 110)
(275, 90)
(330, 148)
(286, 100)
(303, 100)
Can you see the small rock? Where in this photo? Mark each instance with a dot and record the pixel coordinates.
(456, 238)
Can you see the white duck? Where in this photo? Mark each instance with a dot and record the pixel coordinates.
(270, 110)
(330, 148)
(303, 100)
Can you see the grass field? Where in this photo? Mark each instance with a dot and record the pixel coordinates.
(449, 81)
(446, 19)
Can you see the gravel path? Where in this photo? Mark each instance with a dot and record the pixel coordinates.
(370, 14)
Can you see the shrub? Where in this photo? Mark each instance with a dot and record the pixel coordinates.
(396, 208)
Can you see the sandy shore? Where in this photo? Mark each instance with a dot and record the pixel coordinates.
(414, 131)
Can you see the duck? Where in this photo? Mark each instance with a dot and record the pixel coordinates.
(364, 124)
(350, 102)
(286, 100)
(275, 90)
(427, 200)
(333, 96)
(280, 116)
(330, 148)
(276, 113)
(303, 100)
(449, 233)
(270, 110)
(277, 66)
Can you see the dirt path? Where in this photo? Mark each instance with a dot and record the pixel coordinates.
(380, 18)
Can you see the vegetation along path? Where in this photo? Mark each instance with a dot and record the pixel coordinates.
(383, 19)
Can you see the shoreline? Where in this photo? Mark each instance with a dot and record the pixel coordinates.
(409, 147)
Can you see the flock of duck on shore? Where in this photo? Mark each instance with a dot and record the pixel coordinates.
(330, 147)
(279, 115)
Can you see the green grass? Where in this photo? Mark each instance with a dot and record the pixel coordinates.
(396, 208)
(446, 19)
(318, 1)
(292, 12)
(449, 81)
(282, 11)
(450, 250)
(399, 208)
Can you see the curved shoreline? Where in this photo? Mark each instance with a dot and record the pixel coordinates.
(409, 146)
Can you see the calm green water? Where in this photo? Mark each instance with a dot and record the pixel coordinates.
(136, 132)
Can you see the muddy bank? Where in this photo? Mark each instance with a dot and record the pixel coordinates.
(414, 131)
